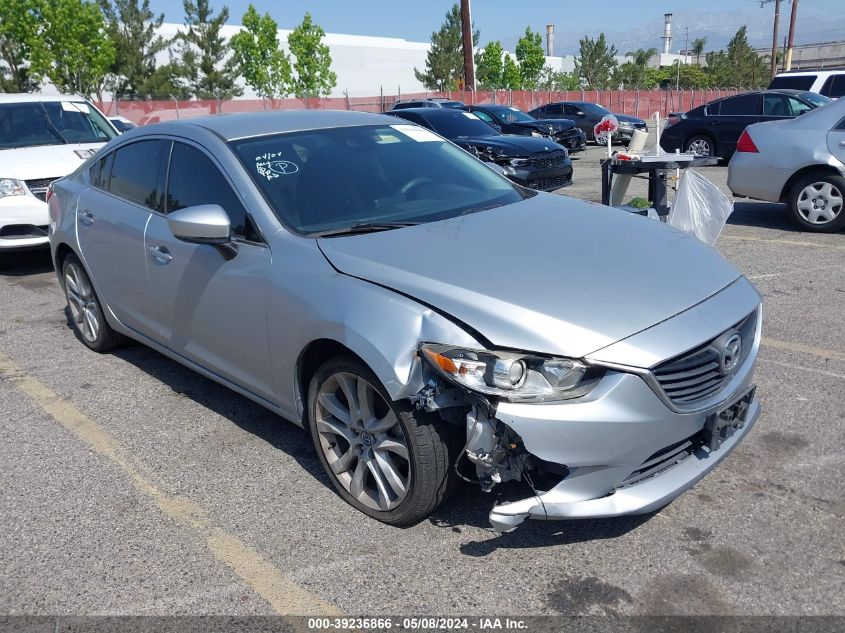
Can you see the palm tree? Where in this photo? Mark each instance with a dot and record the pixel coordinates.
(641, 56)
(697, 49)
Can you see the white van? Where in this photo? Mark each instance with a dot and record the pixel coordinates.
(830, 83)
(41, 139)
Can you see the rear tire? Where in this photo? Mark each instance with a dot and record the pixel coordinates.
(701, 145)
(385, 458)
(815, 203)
(85, 310)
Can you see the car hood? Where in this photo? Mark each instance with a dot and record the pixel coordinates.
(44, 161)
(547, 125)
(508, 144)
(625, 117)
(549, 274)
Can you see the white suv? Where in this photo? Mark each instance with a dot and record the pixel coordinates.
(41, 139)
(830, 83)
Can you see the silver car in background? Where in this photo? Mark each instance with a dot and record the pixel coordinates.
(423, 317)
(798, 161)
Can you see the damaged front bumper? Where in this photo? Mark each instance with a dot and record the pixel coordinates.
(625, 451)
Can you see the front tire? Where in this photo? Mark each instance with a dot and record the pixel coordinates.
(815, 203)
(384, 458)
(85, 310)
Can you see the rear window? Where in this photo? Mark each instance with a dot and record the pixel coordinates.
(793, 82)
(136, 172)
(834, 87)
(742, 105)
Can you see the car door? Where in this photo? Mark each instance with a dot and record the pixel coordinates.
(112, 215)
(836, 141)
(579, 116)
(779, 106)
(211, 301)
(733, 116)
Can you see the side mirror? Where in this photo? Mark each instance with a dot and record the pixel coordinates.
(202, 224)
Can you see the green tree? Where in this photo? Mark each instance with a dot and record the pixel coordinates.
(636, 72)
(691, 77)
(557, 80)
(596, 62)
(531, 58)
(202, 51)
(262, 64)
(314, 76)
(166, 82)
(132, 27)
(738, 65)
(77, 52)
(697, 48)
(444, 62)
(19, 41)
(489, 66)
(511, 78)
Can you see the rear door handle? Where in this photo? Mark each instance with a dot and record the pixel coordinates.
(841, 143)
(161, 254)
(86, 218)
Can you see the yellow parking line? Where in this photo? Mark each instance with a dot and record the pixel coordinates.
(801, 348)
(840, 247)
(284, 596)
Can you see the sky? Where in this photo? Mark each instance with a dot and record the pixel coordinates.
(628, 21)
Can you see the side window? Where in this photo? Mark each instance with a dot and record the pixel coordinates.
(838, 89)
(100, 171)
(776, 105)
(712, 109)
(136, 173)
(484, 117)
(195, 180)
(797, 107)
(743, 105)
(827, 88)
(555, 109)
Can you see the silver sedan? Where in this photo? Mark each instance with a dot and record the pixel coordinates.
(423, 317)
(797, 161)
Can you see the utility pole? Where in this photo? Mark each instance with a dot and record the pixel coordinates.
(469, 63)
(685, 52)
(775, 39)
(787, 65)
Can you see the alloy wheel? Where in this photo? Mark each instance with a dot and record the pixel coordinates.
(362, 441)
(819, 203)
(82, 302)
(700, 147)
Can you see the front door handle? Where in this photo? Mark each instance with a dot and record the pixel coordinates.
(86, 218)
(841, 143)
(161, 254)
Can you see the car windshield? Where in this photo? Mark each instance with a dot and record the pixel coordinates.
(815, 98)
(511, 115)
(454, 124)
(322, 181)
(51, 123)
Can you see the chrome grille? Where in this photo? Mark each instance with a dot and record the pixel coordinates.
(547, 160)
(38, 186)
(694, 376)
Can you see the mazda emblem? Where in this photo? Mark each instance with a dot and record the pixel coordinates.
(729, 354)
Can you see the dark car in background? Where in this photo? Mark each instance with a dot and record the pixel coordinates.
(511, 120)
(538, 163)
(433, 102)
(586, 115)
(713, 129)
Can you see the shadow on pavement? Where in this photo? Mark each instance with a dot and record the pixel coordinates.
(22, 263)
(251, 417)
(769, 215)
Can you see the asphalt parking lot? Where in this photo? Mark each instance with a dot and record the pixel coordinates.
(131, 485)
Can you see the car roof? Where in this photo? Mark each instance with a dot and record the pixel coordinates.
(491, 106)
(248, 124)
(812, 73)
(25, 97)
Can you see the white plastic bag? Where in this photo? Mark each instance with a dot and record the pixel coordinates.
(700, 208)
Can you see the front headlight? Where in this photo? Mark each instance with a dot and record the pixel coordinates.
(511, 375)
(626, 124)
(11, 187)
(538, 134)
(519, 162)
